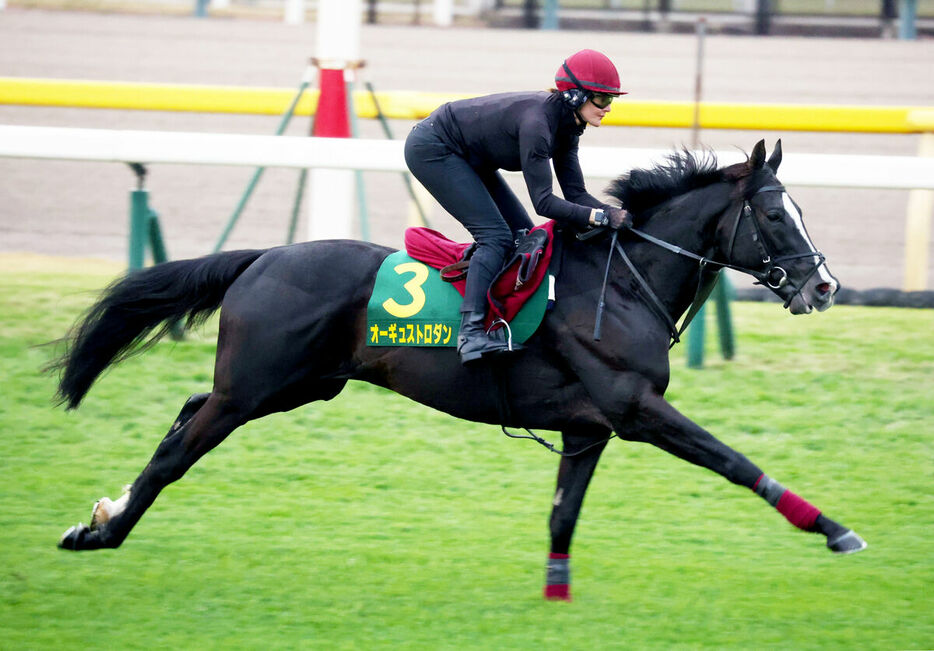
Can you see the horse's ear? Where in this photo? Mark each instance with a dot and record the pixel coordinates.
(757, 159)
(776, 158)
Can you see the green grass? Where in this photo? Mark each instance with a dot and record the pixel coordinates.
(372, 522)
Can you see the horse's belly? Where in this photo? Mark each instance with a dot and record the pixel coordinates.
(522, 391)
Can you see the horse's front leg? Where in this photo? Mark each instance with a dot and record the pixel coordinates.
(574, 473)
(656, 421)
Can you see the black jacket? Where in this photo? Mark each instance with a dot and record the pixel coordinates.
(527, 132)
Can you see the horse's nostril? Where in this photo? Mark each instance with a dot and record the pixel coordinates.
(824, 288)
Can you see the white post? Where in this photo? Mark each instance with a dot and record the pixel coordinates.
(294, 12)
(918, 225)
(331, 193)
(218, 4)
(444, 13)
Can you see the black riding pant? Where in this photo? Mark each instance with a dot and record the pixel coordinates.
(478, 199)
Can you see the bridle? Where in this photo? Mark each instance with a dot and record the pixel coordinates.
(772, 276)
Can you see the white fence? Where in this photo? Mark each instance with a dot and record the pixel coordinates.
(820, 170)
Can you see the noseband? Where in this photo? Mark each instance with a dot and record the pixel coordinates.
(773, 275)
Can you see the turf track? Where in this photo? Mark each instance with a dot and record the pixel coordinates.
(372, 522)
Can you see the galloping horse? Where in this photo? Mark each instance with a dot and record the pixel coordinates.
(293, 330)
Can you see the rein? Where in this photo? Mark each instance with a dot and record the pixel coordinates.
(774, 276)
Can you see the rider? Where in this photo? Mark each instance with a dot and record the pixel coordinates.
(457, 152)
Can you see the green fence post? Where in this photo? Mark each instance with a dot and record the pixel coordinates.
(159, 255)
(696, 339)
(258, 173)
(156, 243)
(362, 211)
(139, 218)
(405, 175)
(297, 205)
(724, 321)
(550, 15)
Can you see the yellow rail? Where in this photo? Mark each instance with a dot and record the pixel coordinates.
(414, 105)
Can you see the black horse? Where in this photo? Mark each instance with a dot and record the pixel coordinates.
(293, 330)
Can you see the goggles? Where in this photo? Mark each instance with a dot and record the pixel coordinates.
(601, 100)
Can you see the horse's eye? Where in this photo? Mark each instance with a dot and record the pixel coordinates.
(775, 215)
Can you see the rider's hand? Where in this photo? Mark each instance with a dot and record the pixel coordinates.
(619, 218)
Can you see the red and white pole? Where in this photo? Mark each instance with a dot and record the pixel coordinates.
(331, 201)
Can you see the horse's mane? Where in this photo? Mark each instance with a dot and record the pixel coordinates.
(642, 189)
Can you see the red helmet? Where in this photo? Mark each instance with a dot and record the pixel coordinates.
(589, 70)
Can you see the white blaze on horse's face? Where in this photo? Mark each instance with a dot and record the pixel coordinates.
(820, 288)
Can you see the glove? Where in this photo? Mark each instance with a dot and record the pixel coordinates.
(619, 218)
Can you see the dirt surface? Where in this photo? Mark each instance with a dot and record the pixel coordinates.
(80, 209)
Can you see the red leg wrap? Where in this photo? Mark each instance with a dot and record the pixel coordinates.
(798, 511)
(558, 578)
(559, 592)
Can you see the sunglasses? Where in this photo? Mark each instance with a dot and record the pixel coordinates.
(602, 100)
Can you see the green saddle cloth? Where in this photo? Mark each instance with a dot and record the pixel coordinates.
(411, 306)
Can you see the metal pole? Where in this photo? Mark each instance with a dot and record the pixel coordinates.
(294, 13)
(299, 192)
(331, 192)
(724, 320)
(906, 23)
(156, 243)
(405, 176)
(283, 123)
(696, 333)
(550, 15)
(529, 8)
(297, 205)
(362, 212)
(139, 216)
(887, 16)
(763, 17)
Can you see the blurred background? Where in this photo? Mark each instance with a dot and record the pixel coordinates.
(865, 53)
(371, 522)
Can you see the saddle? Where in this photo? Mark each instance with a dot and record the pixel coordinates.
(521, 275)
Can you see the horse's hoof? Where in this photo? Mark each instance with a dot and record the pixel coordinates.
(847, 542)
(73, 539)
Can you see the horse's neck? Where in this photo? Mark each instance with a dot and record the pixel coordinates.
(687, 222)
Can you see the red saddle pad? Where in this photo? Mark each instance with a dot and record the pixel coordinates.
(505, 297)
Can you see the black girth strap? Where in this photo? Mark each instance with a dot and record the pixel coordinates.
(498, 372)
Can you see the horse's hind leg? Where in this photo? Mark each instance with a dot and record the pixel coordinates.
(574, 474)
(659, 423)
(105, 508)
(203, 422)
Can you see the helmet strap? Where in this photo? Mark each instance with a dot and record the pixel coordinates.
(575, 98)
(573, 78)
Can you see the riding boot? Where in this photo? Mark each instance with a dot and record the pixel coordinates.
(473, 341)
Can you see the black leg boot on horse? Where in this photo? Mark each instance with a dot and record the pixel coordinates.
(474, 342)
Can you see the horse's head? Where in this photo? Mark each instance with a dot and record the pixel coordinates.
(767, 236)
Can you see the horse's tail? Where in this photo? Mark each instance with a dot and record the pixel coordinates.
(133, 306)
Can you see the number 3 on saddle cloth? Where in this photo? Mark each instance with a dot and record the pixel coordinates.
(412, 305)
